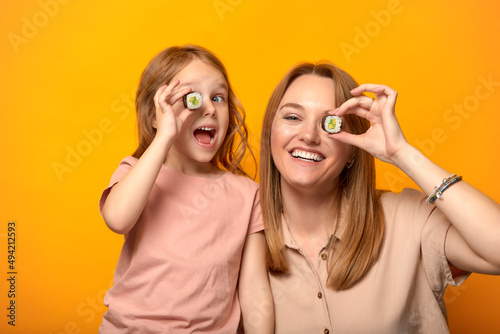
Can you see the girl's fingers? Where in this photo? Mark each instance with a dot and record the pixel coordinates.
(156, 98)
(163, 110)
(185, 114)
(179, 94)
(170, 87)
(168, 95)
(164, 96)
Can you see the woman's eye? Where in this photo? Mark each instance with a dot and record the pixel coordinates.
(291, 117)
(217, 99)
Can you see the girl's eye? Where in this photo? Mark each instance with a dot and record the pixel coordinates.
(291, 118)
(217, 99)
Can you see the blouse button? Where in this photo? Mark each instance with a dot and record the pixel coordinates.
(320, 295)
(326, 331)
(323, 256)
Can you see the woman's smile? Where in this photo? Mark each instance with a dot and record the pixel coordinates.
(305, 155)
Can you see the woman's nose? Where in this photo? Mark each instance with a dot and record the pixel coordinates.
(310, 133)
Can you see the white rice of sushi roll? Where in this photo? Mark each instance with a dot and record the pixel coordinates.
(331, 123)
(193, 100)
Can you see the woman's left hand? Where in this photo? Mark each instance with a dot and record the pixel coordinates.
(472, 241)
(384, 139)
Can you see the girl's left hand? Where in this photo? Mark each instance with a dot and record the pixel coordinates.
(384, 139)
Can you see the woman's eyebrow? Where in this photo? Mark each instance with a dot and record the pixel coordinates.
(292, 105)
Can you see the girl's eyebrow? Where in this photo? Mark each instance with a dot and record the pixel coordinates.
(222, 85)
(185, 84)
(292, 105)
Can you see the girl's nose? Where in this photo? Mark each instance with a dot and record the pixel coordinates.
(208, 108)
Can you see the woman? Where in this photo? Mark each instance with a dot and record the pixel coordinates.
(342, 256)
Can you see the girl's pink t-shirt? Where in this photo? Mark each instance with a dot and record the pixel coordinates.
(178, 269)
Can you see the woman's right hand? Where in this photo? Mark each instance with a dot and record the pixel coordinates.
(167, 123)
(384, 139)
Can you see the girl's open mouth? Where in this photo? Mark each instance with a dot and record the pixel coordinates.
(205, 135)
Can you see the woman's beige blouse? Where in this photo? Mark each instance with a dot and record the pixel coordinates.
(402, 293)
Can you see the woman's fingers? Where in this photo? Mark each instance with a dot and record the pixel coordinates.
(373, 88)
(381, 92)
(349, 138)
(359, 105)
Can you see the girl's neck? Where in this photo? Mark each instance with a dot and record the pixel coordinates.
(189, 166)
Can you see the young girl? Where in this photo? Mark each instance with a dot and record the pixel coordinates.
(189, 215)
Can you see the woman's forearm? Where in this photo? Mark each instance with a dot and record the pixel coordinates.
(475, 216)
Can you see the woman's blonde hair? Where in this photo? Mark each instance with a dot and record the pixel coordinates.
(160, 71)
(363, 231)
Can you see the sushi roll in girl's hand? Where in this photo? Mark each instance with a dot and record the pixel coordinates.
(331, 123)
(193, 100)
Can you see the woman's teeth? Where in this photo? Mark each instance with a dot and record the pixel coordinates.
(306, 155)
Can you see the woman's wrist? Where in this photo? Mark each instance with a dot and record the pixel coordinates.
(408, 159)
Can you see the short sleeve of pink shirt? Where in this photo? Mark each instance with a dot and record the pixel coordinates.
(179, 265)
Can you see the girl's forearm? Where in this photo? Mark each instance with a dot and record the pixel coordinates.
(128, 197)
(254, 290)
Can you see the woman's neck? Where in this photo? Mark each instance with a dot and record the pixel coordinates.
(310, 214)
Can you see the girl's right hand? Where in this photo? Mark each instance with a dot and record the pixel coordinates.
(167, 123)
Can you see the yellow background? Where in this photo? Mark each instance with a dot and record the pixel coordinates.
(69, 70)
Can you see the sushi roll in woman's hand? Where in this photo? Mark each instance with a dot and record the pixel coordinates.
(331, 123)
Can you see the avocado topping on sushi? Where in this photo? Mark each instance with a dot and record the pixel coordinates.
(193, 100)
(331, 123)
